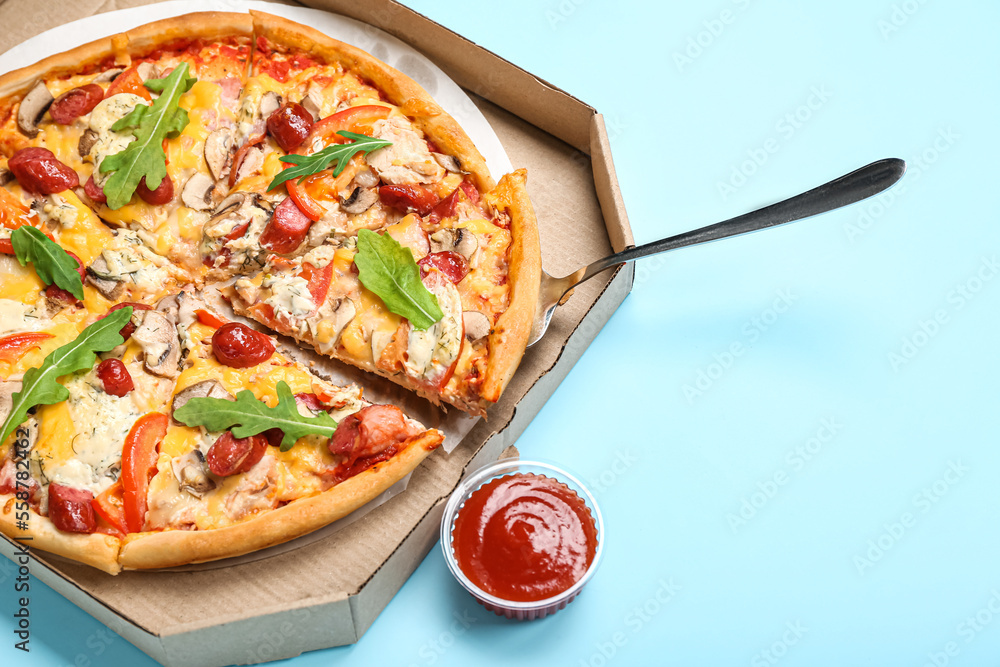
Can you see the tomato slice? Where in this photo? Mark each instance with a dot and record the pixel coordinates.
(129, 81)
(110, 506)
(139, 465)
(319, 281)
(355, 119)
(323, 185)
(209, 319)
(16, 346)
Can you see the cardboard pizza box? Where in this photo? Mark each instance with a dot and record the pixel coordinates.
(328, 592)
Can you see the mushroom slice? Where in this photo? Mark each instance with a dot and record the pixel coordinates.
(148, 71)
(86, 143)
(98, 274)
(32, 108)
(231, 203)
(477, 325)
(6, 176)
(157, 335)
(197, 193)
(457, 240)
(449, 162)
(269, 103)
(203, 389)
(360, 200)
(218, 148)
(108, 76)
(192, 473)
(313, 101)
(328, 329)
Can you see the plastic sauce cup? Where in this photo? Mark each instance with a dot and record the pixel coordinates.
(513, 608)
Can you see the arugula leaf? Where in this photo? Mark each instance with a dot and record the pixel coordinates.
(387, 268)
(337, 155)
(150, 124)
(251, 416)
(39, 386)
(52, 264)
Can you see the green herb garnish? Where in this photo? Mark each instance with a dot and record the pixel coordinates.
(52, 264)
(151, 124)
(251, 416)
(387, 269)
(40, 386)
(335, 155)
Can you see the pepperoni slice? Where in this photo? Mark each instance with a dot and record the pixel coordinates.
(129, 328)
(406, 198)
(163, 193)
(230, 455)
(70, 510)
(290, 125)
(94, 191)
(76, 102)
(40, 172)
(115, 377)
(238, 346)
(451, 264)
(287, 228)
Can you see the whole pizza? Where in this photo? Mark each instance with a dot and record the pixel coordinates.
(326, 196)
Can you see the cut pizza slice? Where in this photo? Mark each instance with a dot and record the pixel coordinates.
(196, 440)
(380, 155)
(443, 313)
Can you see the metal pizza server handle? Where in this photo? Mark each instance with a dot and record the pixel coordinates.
(848, 189)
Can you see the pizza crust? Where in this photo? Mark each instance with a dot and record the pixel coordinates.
(96, 549)
(509, 338)
(304, 515)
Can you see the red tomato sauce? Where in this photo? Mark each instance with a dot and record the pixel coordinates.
(524, 538)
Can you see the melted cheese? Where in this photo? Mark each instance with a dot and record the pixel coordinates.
(87, 237)
(108, 112)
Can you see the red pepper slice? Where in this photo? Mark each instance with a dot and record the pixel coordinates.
(13, 347)
(110, 506)
(138, 466)
(209, 319)
(129, 81)
(355, 119)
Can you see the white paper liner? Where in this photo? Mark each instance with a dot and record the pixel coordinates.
(454, 424)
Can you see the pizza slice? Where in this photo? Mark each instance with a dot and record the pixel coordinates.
(143, 468)
(386, 159)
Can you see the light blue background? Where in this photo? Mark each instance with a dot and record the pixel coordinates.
(683, 581)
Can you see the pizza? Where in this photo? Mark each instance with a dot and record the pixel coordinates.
(321, 192)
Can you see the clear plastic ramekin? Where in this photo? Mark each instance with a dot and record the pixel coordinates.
(511, 608)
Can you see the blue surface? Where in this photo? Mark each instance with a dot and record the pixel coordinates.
(819, 502)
